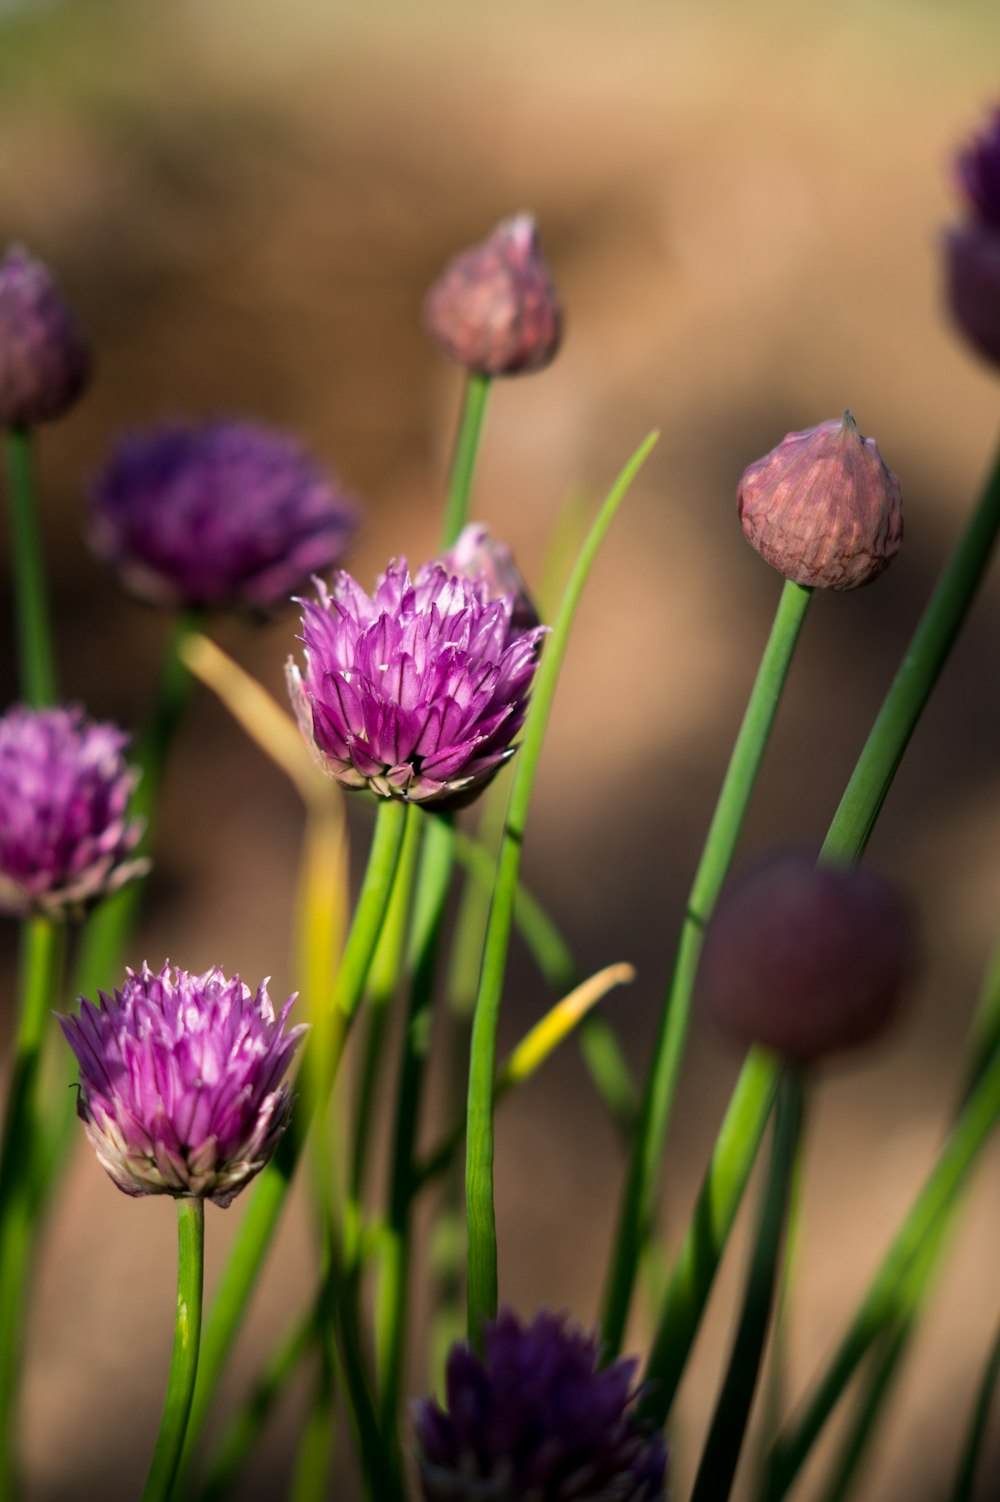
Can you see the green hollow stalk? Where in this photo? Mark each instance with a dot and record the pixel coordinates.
(184, 1362)
(968, 1465)
(481, 1289)
(635, 1219)
(34, 633)
(728, 1428)
(253, 1238)
(463, 463)
(732, 1160)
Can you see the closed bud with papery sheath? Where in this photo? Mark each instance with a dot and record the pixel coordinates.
(822, 508)
(807, 960)
(44, 358)
(494, 309)
(538, 1416)
(972, 248)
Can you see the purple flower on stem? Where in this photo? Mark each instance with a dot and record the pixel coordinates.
(181, 1081)
(44, 358)
(477, 555)
(222, 515)
(537, 1416)
(415, 691)
(65, 838)
(972, 249)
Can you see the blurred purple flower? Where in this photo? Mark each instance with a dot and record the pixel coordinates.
(418, 690)
(64, 791)
(972, 248)
(224, 515)
(44, 358)
(180, 1081)
(537, 1416)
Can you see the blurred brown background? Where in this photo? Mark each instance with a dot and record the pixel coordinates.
(741, 205)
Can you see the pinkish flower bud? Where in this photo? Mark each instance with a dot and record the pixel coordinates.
(479, 556)
(822, 508)
(806, 960)
(494, 308)
(44, 359)
(972, 249)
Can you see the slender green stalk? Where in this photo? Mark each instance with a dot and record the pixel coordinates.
(268, 1198)
(635, 1220)
(34, 635)
(432, 893)
(888, 1356)
(41, 952)
(725, 1438)
(965, 1478)
(463, 463)
(184, 1362)
(480, 1211)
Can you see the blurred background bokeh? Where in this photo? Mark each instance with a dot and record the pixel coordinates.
(742, 206)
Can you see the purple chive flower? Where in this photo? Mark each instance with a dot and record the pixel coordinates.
(972, 249)
(65, 838)
(44, 358)
(476, 555)
(537, 1416)
(494, 309)
(181, 1081)
(223, 515)
(417, 690)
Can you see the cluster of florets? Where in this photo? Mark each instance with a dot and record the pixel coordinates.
(65, 835)
(537, 1416)
(181, 1081)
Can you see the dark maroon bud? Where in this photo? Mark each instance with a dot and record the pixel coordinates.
(972, 249)
(822, 508)
(44, 358)
(494, 309)
(807, 960)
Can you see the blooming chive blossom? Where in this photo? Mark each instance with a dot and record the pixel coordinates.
(44, 358)
(181, 1081)
(972, 248)
(417, 690)
(476, 554)
(537, 1416)
(65, 837)
(220, 515)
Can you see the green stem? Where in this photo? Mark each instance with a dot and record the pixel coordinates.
(260, 1221)
(480, 1211)
(635, 1220)
(871, 1400)
(184, 1362)
(968, 1465)
(463, 463)
(34, 635)
(725, 1438)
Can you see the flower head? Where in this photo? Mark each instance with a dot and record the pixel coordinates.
(181, 1081)
(822, 508)
(417, 690)
(537, 1416)
(804, 959)
(223, 515)
(65, 838)
(494, 309)
(477, 555)
(44, 358)
(972, 248)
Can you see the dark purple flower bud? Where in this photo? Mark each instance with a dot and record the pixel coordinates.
(494, 309)
(65, 838)
(478, 555)
(972, 249)
(44, 359)
(225, 515)
(416, 691)
(807, 960)
(822, 508)
(181, 1081)
(537, 1416)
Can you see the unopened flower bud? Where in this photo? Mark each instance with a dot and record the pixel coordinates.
(494, 308)
(972, 248)
(479, 556)
(806, 960)
(44, 359)
(822, 508)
